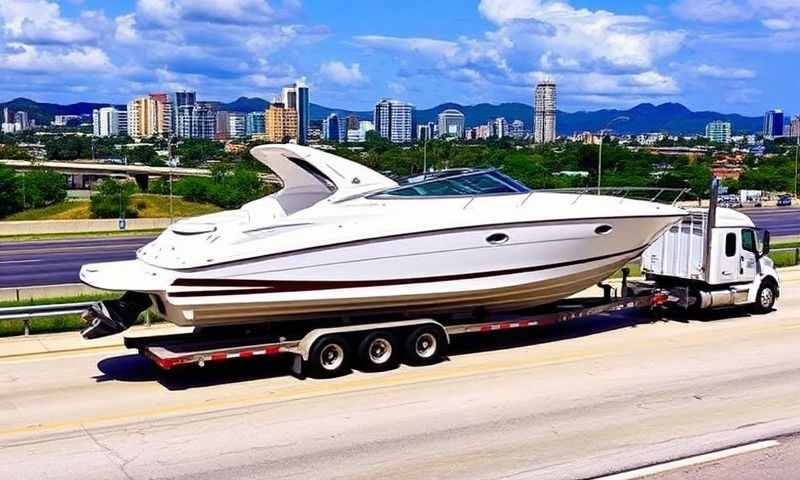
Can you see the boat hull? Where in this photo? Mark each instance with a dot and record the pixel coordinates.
(536, 265)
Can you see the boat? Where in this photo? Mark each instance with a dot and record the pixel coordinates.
(342, 240)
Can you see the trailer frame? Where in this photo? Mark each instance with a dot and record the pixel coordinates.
(170, 351)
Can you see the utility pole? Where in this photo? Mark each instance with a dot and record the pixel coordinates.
(171, 147)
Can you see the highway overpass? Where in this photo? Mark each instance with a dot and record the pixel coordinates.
(83, 173)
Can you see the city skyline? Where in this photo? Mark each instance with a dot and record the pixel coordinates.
(706, 54)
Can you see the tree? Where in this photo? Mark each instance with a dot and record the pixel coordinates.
(9, 198)
(112, 199)
(13, 152)
(41, 187)
(195, 152)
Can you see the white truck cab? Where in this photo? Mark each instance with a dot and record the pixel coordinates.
(707, 264)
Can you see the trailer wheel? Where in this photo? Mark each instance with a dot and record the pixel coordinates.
(424, 346)
(378, 351)
(330, 356)
(765, 298)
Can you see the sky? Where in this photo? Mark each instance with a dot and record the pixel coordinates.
(724, 55)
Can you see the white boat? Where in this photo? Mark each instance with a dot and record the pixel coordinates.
(340, 239)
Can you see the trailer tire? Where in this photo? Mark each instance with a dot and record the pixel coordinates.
(765, 298)
(330, 356)
(378, 351)
(424, 346)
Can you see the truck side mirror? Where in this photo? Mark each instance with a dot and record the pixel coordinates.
(765, 246)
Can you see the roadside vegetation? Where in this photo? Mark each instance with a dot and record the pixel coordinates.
(141, 205)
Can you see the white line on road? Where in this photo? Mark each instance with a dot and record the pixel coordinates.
(687, 462)
(21, 261)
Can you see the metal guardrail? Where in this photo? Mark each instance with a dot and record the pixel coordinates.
(794, 250)
(28, 312)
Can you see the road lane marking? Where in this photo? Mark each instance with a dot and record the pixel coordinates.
(690, 461)
(301, 391)
(20, 261)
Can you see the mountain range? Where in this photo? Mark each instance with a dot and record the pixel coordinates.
(645, 117)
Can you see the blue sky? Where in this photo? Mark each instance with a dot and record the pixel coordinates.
(725, 55)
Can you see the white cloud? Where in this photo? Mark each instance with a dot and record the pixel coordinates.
(777, 24)
(40, 22)
(711, 11)
(28, 58)
(340, 73)
(714, 71)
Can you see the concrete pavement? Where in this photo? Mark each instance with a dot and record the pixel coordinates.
(574, 401)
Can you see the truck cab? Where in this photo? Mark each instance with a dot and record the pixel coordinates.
(714, 258)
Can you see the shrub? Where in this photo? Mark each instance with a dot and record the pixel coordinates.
(112, 199)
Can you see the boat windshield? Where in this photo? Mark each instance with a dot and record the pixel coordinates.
(486, 182)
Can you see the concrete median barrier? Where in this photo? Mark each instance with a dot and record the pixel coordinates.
(37, 227)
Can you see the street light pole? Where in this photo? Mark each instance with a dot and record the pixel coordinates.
(796, 152)
(425, 157)
(600, 153)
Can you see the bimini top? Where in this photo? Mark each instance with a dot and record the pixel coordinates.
(310, 175)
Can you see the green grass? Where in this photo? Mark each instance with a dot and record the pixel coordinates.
(783, 259)
(785, 245)
(63, 323)
(148, 206)
(57, 300)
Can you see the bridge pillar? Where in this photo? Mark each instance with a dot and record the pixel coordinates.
(142, 180)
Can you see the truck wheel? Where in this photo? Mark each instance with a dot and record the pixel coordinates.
(424, 346)
(765, 298)
(330, 356)
(378, 351)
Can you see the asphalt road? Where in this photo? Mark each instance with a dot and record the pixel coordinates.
(579, 400)
(56, 262)
(781, 222)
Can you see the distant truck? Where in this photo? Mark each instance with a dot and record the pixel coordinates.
(714, 258)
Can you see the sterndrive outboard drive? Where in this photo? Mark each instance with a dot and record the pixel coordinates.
(113, 316)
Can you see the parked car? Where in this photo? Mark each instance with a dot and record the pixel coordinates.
(785, 201)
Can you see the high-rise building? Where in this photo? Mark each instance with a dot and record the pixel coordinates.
(64, 120)
(332, 128)
(185, 98)
(237, 125)
(426, 131)
(223, 125)
(296, 97)
(773, 124)
(21, 118)
(122, 122)
(351, 122)
(255, 123)
(544, 112)
(105, 122)
(359, 134)
(517, 129)
(393, 120)
(719, 131)
(498, 127)
(281, 123)
(451, 123)
(150, 116)
(794, 130)
(6, 115)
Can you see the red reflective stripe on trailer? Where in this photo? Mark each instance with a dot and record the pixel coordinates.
(218, 356)
(246, 353)
(272, 350)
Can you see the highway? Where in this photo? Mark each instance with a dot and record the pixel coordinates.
(581, 400)
(54, 262)
(59, 261)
